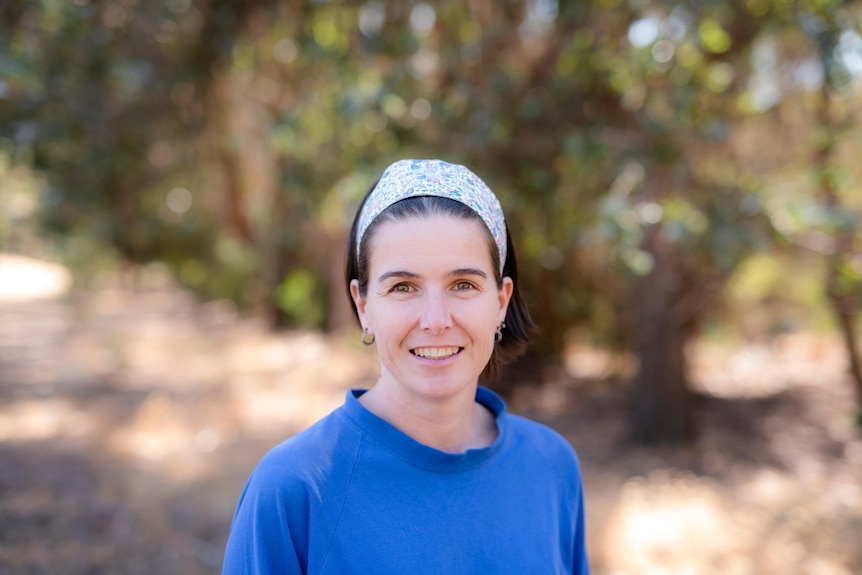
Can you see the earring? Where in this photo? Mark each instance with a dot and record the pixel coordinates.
(365, 340)
(498, 337)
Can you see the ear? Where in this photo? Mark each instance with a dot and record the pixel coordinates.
(503, 297)
(360, 302)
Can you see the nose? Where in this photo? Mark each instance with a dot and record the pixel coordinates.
(436, 317)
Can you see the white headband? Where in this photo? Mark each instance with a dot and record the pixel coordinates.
(412, 178)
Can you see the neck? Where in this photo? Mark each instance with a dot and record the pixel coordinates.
(453, 424)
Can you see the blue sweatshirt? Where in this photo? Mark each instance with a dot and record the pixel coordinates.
(353, 494)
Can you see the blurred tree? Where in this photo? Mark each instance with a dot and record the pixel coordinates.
(88, 97)
(844, 265)
(630, 144)
(674, 222)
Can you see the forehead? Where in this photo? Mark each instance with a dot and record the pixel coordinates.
(431, 241)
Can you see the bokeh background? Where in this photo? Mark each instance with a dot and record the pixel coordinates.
(683, 185)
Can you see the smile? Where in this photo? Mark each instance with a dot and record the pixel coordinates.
(435, 352)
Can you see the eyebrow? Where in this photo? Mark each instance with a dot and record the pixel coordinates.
(410, 275)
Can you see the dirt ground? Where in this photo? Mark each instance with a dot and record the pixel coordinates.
(130, 419)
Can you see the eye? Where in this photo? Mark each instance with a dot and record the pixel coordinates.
(402, 288)
(464, 285)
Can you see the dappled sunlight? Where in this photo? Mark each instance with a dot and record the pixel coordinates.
(671, 172)
(168, 404)
(26, 279)
(268, 410)
(156, 432)
(585, 362)
(162, 406)
(30, 419)
(766, 368)
(672, 526)
(690, 525)
(771, 486)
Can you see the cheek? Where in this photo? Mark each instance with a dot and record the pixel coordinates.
(388, 318)
(482, 318)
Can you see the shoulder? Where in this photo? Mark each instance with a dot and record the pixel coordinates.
(309, 458)
(545, 442)
(299, 477)
(305, 468)
(531, 439)
(291, 487)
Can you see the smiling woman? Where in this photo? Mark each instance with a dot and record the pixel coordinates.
(433, 305)
(426, 472)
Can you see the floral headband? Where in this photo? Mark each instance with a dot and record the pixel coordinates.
(411, 178)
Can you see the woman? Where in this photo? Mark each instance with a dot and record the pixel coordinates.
(425, 472)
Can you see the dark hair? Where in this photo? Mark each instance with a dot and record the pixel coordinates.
(518, 323)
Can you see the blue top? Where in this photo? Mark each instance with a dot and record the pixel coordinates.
(353, 494)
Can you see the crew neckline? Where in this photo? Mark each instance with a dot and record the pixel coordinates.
(384, 434)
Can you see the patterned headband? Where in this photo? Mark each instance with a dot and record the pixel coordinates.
(411, 178)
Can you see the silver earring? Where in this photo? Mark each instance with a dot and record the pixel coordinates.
(365, 340)
(498, 337)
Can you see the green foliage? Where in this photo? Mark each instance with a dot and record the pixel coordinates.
(233, 140)
(298, 297)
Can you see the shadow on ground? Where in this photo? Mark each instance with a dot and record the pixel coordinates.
(130, 419)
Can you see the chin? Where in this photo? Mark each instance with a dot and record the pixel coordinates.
(444, 387)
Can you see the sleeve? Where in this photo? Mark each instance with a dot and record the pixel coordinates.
(580, 561)
(269, 532)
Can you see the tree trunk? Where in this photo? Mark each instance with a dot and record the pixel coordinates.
(844, 299)
(846, 314)
(662, 412)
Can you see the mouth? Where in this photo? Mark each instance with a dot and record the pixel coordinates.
(436, 352)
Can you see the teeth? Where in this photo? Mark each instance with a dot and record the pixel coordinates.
(435, 352)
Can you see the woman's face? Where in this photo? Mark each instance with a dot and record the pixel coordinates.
(432, 303)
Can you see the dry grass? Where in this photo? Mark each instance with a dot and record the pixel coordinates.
(130, 420)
